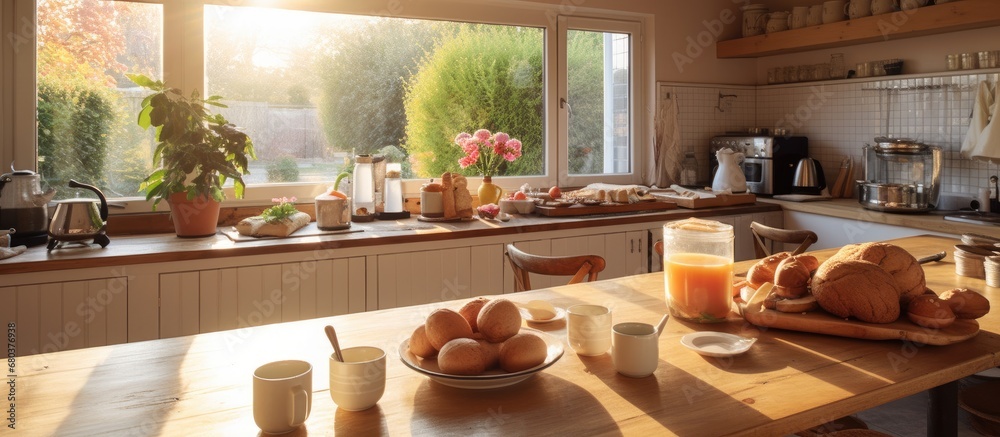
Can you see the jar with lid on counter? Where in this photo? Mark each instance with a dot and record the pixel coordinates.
(689, 169)
(698, 269)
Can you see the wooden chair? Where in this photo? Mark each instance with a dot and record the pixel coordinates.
(582, 266)
(658, 247)
(761, 232)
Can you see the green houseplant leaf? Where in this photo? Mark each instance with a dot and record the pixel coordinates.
(196, 151)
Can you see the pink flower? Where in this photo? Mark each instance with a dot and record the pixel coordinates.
(460, 139)
(501, 137)
(515, 144)
(482, 135)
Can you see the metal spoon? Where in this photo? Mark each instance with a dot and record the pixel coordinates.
(332, 335)
(936, 257)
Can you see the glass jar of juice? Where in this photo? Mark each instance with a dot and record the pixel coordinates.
(698, 269)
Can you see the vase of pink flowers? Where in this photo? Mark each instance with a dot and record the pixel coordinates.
(485, 152)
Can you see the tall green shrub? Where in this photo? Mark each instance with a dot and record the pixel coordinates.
(481, 77)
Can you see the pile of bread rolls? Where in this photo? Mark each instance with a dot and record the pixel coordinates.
(871, 282)
(455, 197)
(481, 336)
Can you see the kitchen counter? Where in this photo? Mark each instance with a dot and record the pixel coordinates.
(851, 209)
(159, 248)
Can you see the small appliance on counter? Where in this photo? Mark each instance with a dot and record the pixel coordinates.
(809, 178)
(23, 207)
(769, 161)
(79, 220)
(901, 175)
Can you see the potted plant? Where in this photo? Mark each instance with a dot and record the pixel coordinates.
(196, 153)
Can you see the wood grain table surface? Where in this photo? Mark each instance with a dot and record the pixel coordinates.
(788, 381)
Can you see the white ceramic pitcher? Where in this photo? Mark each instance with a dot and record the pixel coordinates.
(730, 174)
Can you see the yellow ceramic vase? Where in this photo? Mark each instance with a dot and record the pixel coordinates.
(488, 192)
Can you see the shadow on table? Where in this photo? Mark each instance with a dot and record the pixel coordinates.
(542, 404)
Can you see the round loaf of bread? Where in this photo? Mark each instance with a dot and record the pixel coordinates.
(499, 320)
(966, 304)
(791, 278)
(444, 325)
(471, 311)
(521, 352)
(462, 356)
(763, 271)
(420, 345)
(929, 311)
(893, 259)
(859, 289)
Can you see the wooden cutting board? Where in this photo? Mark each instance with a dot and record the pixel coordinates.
(577, 210)
(821, 322)
(718, 200)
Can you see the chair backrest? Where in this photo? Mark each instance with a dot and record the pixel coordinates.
(581, 266)
(761, 232)
(658, 247)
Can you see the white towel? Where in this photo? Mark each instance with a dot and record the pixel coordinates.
(982, 142)
(667, 144)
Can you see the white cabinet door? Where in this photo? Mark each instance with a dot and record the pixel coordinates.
(428, 276)
(66, 315)
(230, 298)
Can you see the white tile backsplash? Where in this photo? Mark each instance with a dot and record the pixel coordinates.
(839, 118)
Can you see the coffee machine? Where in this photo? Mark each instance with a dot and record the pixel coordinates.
(769, 163)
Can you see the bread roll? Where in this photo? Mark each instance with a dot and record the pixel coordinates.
(791, 278)
(448, 196)
(499, 320)
(522, 352)
(462, 356)
(855, 288)
(800, 305)
(471, 311)
(444, 325)
(930, 312)
(763, 270)
(965, 303)
(893, 259)
(420, 345)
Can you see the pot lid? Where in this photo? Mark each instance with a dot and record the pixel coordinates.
(899, 145)
(18, 173)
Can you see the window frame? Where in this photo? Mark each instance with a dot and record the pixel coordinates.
(184, 67)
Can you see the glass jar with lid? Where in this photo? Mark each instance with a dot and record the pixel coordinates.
(689, 169)
(698, 269)
(364, 188)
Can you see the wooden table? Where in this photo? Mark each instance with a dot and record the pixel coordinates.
(201, 385)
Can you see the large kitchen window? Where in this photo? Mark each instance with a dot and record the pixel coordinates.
(315, 83)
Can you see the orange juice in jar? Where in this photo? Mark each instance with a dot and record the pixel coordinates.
(698, 269)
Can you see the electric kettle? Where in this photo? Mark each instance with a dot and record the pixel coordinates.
(23, 203)
(809, 178)
(80, 219)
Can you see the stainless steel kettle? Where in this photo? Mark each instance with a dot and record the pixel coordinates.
(809, 177)
(23, 204)
(80, 219)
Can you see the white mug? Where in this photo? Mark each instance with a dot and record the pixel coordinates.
(777, 22)
(815, 15)
(800, 17)
(588, 329)
(282, 395)
(859, 8)
(635, 349)
(358, 382)
(833, 11)
(909, 5)
(880, 7)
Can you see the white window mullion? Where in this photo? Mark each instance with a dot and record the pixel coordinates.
(184, 45)
(18, 129)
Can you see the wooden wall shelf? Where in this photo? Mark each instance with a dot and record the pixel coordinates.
(928, 20)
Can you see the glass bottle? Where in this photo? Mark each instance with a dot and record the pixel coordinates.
(689, 169)
(364, 186)
(698, 269)
(393, 188)
(837, 66)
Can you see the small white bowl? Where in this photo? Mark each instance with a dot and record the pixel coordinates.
(517, 206)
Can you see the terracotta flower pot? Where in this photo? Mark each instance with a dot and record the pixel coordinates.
(193, 218)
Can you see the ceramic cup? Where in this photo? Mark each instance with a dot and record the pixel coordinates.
(880, 7)
(588, 329)
(800, 17)
(754, 17)
(833, 11)
(777, 22)
(635, 349)
(332, 212)
(358, 382)
(815, 15)
(282, 395)
(859, 8)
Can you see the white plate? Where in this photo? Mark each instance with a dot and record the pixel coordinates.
(492, 378)
(717, 344)
(526, 315)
